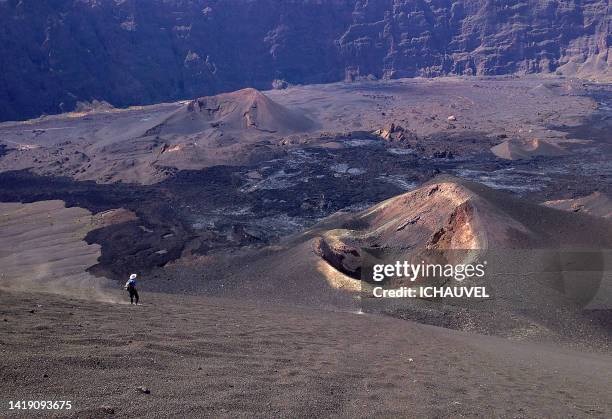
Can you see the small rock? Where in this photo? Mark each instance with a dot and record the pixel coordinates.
(45, 376)
(108, 410)
(279, 84)
(143, 389)
(452, 118)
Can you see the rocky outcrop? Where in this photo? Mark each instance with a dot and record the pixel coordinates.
(54, 54)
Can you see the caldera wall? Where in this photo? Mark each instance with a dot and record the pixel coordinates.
(56, 53)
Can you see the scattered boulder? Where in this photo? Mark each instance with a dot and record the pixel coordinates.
(143, 389)
(278, 84)
(108, 410)
(93, 106)
(395, 133)
(446, 154)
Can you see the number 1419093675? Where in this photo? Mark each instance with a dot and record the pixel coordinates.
(40, 405)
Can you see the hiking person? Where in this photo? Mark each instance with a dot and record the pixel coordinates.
(130, 286)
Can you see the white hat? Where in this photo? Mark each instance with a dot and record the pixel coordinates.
(133, 276)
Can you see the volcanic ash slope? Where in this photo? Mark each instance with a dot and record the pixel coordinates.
(43, 248)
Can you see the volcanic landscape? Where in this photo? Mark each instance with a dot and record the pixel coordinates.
(249, 210)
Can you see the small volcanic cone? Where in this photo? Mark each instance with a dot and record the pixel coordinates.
(246, 109)
(448, 217)
(518, 149)
(450, 213)
(440, 215)
(596, 204)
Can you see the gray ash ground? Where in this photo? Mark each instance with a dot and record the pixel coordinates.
(213, 357)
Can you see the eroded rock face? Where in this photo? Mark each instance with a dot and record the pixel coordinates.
(57, 53)
(406, 38)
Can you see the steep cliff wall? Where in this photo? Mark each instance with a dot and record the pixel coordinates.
(54, 53)
(406, 38)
